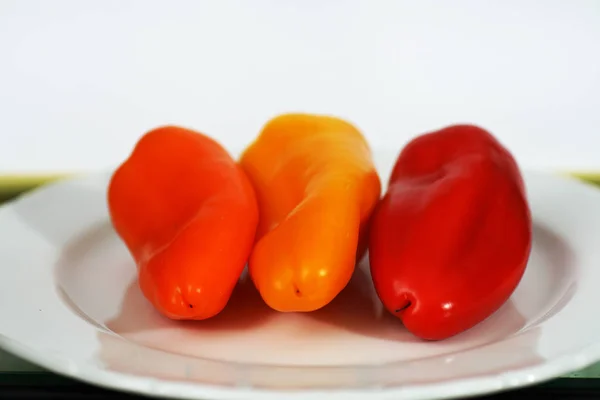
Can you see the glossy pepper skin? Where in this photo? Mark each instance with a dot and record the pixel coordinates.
(188, 215)
(316, 187)
(451, 237)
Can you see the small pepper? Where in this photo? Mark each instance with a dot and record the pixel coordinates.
(188, 215)
(451, 238)
(316, 187)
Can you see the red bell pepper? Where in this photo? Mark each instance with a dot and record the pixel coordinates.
(451, 238)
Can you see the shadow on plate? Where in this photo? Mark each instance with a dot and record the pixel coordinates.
(245, 310)
(356, 310)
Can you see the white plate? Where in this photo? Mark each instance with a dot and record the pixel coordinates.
(69, 302)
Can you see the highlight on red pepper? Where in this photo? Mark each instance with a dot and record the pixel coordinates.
(188, 215)
(451, 238)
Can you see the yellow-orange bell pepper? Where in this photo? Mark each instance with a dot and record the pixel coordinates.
(316, 186)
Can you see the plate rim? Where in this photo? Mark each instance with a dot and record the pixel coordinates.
(126, 382)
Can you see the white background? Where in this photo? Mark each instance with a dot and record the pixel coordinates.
(80, 81)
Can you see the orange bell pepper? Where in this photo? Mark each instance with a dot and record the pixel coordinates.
(316, 186)
(188, 215)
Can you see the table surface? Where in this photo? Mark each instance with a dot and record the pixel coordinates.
(14, 368)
